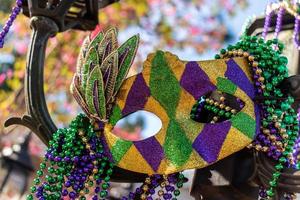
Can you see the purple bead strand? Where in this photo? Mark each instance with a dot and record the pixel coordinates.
(296, 149)
(267, 24)
(15, 11)
(279, 21)
(296, 33)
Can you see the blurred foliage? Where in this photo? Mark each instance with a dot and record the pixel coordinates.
(6, 5)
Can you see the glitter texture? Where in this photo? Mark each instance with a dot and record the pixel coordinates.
(152, 159)
(226, 85)
(95, 89)
(238, 77)
(195, 85)
(231, 145)
(137, 96)
(166, 88)
(177, 146)
(115, 116)
(244, 123)
(209, 142)
(127, 51)
(119, 149)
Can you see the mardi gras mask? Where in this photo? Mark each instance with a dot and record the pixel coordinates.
(171, 89)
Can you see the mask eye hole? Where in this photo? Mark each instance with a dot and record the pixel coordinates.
(137, 126)
(216, 107)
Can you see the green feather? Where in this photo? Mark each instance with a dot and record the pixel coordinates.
(81, 56)
(97, 39)
(94, 94)
(127, 53)
(109, 69)
(91, 60)
(78, 96)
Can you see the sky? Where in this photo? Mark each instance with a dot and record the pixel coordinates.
(256, 8)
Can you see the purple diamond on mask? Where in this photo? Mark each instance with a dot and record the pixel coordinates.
(147, 153)
(209, 142)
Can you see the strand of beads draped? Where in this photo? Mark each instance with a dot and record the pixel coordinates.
(15, 11)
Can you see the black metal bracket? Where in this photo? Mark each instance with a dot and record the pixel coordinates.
(60, 13)
(38, 118)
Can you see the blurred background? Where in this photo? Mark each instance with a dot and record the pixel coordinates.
(192, 29)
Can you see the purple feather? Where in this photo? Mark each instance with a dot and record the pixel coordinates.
(92, 66)
(80, 100)
(106, 75)
(108, 50)
(95, 97)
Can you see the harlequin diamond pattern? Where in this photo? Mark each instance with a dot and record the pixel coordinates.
(176, 147)
(119, 149)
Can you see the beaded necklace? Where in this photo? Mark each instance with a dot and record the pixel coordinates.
(283, 7)
(279, 123)
(75, 165)
(15, 11)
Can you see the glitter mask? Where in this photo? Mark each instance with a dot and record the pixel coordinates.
(169, 88)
